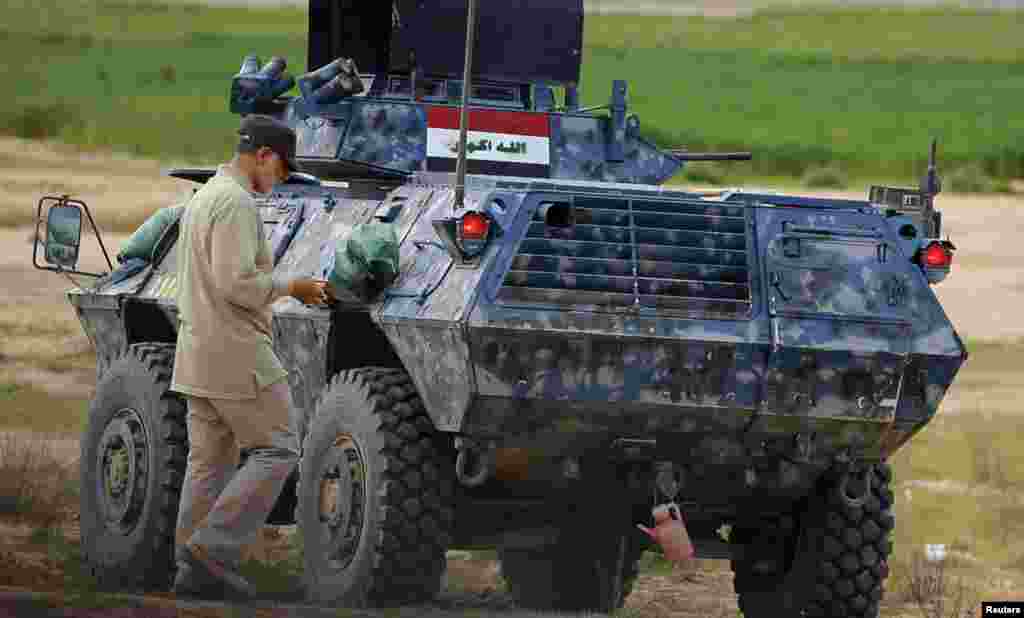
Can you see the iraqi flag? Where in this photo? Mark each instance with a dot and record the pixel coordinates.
(498, 142)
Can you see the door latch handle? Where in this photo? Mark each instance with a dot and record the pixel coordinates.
(897, 291)
(776, 283)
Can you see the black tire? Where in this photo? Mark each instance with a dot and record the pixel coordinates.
(132, 465)
(831, 559)
(574, 575)
(398, 487)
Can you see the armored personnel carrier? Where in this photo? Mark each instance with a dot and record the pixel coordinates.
(561, 344)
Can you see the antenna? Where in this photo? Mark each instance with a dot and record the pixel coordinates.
(467, 88)
(931, 185)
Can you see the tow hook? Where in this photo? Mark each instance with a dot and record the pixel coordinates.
(474, 464)
(854, 502)
(634, 448)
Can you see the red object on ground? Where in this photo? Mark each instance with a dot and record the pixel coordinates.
(670, 533)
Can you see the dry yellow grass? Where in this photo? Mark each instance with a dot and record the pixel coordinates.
(51, 353)
(121, 192)
(42, 342)
(953, 588)
(35, 339)
(38, 478)
(22, 319)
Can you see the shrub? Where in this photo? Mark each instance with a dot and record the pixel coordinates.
(973, 178)
(39, 121)
(827, 177)
(702, 172)
(168, 74)
(933, 588)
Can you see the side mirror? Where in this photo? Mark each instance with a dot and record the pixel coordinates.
(63, 236)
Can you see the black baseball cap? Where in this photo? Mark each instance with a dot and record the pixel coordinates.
(258, 130)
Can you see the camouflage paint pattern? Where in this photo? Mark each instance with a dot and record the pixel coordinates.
(729, 330)
(301, 344)
(927, 377)
(317, 236)
(392, 135)
(105, 330)
(437, 358)
(422, 312)
(565, 428)
(318, 137)
(847, 265)
(645, 386)
(580, 151)
(403, 207)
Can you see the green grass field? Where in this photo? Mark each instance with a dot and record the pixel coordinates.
(864, 89)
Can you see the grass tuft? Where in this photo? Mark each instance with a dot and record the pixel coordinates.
(39, 120)
(704, 173)
(937, 589)
(79, 587)
(35, 484)
(828, 177)
(973, 178)
(277, 573)
(8, 391)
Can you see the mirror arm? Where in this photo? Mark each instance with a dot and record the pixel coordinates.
(64, 201)
(99, 238)
(35, 240)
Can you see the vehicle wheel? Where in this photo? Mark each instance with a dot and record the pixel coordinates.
(375, 493)
(132, 465)
(832, 560)
(573, 575)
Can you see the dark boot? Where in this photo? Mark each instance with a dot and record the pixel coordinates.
(200, 575)
(190, 583)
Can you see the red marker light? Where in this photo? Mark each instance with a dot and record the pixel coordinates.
(474, 226)
(937, 256)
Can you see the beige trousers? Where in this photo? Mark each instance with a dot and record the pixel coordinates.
(222, 507)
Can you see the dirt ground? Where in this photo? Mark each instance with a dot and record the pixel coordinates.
(984, 297)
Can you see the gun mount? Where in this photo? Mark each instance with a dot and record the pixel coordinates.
(411, 60)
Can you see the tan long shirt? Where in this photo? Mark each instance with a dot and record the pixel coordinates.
(225, 291)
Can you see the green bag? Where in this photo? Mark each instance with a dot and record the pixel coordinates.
(367, 261)
(141, 243)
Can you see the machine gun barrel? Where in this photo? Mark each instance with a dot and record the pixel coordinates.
(685, 155)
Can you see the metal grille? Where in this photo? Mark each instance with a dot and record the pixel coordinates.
(687, 256)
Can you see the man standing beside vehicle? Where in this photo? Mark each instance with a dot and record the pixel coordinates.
(225, 366)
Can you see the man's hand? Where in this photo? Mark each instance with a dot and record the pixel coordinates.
(309, 291)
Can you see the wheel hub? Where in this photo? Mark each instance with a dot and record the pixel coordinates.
(341, 501)
(121, 460)
(119, 469)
